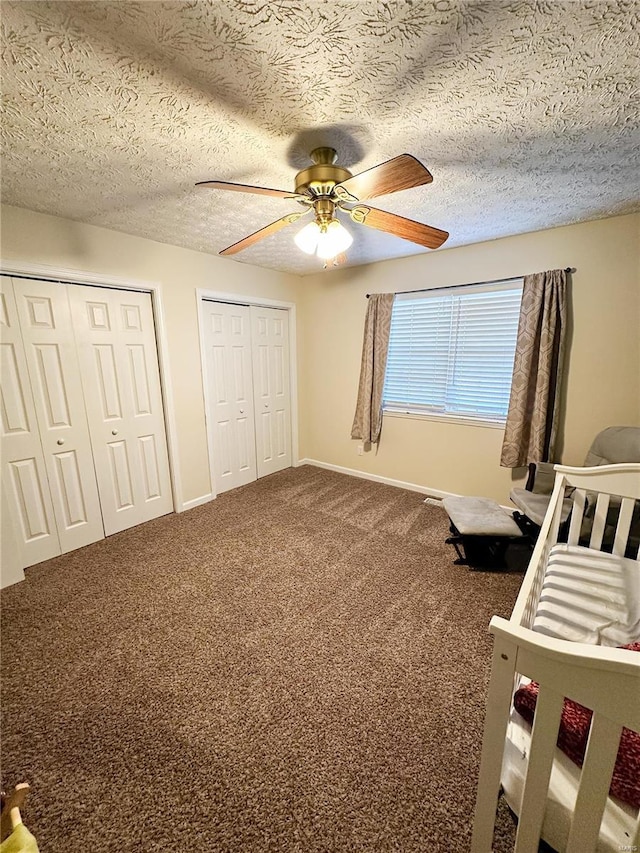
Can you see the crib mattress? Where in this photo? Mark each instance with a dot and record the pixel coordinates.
(618, 821)
(589, 597)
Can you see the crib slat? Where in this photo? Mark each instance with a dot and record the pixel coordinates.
(579, 503)
(498, 705)
(624, 525)
(543, 743)
(599, 761)
(557, 501)
(599, 521)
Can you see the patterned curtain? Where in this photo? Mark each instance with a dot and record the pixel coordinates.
(367, 422)
(532, 421)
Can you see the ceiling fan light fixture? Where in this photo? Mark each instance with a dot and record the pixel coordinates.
(334, 240)
(325, 240)
(307, 238)
(324, 187)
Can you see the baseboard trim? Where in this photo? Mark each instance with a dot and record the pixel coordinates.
(377, 478)
(203, 499)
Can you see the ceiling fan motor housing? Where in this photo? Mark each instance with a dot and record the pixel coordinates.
(321, 178)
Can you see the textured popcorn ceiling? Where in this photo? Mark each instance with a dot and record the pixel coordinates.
(526, 113)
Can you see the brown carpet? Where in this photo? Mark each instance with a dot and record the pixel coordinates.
(296, 666)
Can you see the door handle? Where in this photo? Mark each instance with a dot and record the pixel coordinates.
(114, 432)
(60, 441)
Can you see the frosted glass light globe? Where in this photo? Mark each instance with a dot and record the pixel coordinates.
(307, 238)
(333, 241)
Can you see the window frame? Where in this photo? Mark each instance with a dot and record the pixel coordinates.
(482, 420)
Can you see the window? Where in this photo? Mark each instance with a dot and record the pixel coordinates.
(451, 351)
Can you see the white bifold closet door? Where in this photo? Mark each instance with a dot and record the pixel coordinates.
(231, 409)
(119, 366)
(83, 445)
(247, 360)
(29, 532)
(54, 371)
(272, 395)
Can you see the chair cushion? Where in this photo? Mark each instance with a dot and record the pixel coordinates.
(480, 517)
(535, 506)
(614, 445)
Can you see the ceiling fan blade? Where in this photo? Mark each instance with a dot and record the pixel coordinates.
(408, 229)
(272, 228)
(246, 188)
(400, 173)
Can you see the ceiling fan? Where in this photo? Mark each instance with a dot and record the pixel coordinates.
(324, 187)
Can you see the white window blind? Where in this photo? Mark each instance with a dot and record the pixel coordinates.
(451, 351)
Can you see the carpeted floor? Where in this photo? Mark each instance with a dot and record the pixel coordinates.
(296, 666)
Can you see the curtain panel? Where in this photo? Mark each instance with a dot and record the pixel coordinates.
(532, 420)
(367, 423)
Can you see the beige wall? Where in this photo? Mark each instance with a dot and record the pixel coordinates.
(603, 385)
(38, 239)
(603, 376)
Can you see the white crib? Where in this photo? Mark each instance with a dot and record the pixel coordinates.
(553, 799)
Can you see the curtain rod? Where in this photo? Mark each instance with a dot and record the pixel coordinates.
(470, 284)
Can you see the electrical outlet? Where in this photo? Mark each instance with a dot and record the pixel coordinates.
(360, 449)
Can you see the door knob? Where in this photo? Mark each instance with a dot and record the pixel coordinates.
(60, 441)
(242, 411)
(266, 405)
(114, 432)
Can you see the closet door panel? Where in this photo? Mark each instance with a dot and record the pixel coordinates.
(29, 532)
(272, 396)
(245, 445)
(28, 491)
(52, 360)
(227, 338)
(121, 485)
(121, 379)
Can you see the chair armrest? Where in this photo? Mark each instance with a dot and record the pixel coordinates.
(542, 477)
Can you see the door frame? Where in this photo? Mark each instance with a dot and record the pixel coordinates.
(203, 296)
(63, 275)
